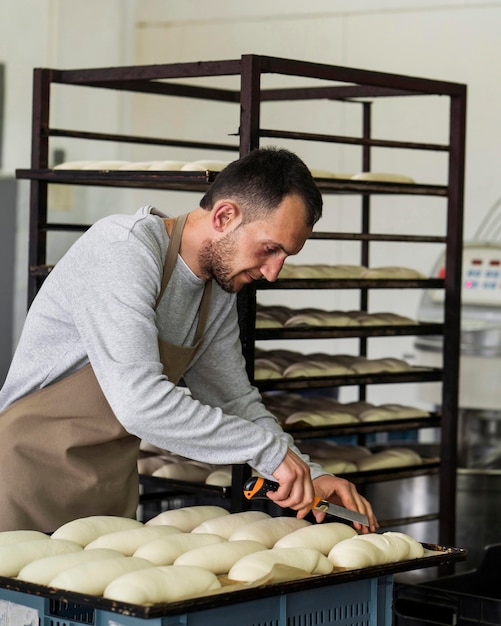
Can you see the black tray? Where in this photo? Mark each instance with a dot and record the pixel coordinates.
(443, 556)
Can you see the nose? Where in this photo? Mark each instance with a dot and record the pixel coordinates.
(271, 269)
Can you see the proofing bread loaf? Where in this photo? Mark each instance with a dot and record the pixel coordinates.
(162, 584)
(260, 564)
(128, 541)
(187, 518)
(42, 571)
(85, 529)
(268, 531)
(166, 550)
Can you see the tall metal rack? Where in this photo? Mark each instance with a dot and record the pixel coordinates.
(337, 83)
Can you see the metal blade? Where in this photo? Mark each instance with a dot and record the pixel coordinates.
(342, 512)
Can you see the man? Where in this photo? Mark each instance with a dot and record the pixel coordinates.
(136, 304)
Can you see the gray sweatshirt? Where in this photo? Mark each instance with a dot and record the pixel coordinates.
(98, 306)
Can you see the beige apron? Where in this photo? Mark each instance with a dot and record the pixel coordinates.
(64, 454)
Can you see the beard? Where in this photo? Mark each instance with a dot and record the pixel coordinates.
(215, 260)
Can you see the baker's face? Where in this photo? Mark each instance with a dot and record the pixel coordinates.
(257, 249)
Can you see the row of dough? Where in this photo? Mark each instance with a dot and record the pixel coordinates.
(292, 408)
(166, 166)
(335, 459)
(291, 364)
(216, 165)
(184, 552)
(321, 270)
(278, 316)
(345, 459)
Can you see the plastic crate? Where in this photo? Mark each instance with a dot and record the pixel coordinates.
(366, 602)
(460, 600)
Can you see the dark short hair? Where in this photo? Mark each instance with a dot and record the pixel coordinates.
(260, 181)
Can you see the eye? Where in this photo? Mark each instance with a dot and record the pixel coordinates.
(271, 250)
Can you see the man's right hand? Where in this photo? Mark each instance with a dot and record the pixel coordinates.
(295, 486)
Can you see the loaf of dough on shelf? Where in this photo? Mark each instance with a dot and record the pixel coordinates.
(313, 367)
(226, 525)
(93, 576)
(373, 366)
(187, 470)
(352, 554)
(168, 166)
(383, 177)
(393, 319)
(391, 411)
(85, 529)
(221, 477)
(324, 450)
(259, 564)
(290, 270)
(321, 173)
(42, 571)
(105, 166)
(187, 518)
(268, 531)
(165, 551)
(271, 316)
(393, 457)
(203, 165)
(337, 466)
(321, 418)
(15, 556)
(169, 583)
(148, 464)
(15, 536)
(393, 272)
(219, 558)
(73, 165)
(317, 317)
(136, 165)
(322, 537)
(128, 541)
(374, 549)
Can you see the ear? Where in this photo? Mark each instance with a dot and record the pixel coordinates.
(226, 215)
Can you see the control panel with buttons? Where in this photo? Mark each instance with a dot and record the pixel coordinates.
(481, 282)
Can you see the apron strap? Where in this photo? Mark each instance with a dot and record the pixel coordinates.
(169, 265)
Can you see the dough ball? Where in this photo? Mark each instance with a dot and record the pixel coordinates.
(353, 554)
(220, 478)
(268, 531)
(15, 556)
(15, 536)
(72, 165)
(183, 471)
(383, 177)
(226, 525)
(322, 537)
(128, 541)
(43, 570)
(219, 558)
(392, 272)
(187, 518)
(169, 583)
(166, 550)
(205, 165)
(416, 549)
(396, 457)
(149, 464)
(94, 576)
(260, 564)
(85, 529)
(168, 166)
